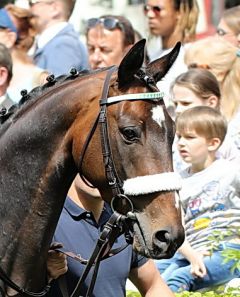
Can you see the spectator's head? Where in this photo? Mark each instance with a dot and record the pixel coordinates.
(172, 20)
(16, 30)
(196, 87)
(48, 12)
(200, 131)
(109, 38)
(223, 60)
(5, 68)
(229, 26)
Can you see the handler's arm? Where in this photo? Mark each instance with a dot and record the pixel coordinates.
(149, 282)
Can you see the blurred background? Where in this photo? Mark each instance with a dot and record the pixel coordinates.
(210, 12)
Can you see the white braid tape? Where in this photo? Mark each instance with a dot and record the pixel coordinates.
(140, 185)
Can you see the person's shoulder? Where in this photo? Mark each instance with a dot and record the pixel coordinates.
(67, 34)
(137, 260)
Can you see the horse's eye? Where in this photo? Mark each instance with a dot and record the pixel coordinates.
(130, 134)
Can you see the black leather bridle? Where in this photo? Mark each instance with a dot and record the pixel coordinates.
(113, 179)
(117, 224)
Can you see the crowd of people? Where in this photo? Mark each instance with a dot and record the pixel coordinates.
(201, 92)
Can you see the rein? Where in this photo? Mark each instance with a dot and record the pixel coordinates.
(118, 224)
(6, 280)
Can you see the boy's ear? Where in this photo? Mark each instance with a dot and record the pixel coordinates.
(213, 144)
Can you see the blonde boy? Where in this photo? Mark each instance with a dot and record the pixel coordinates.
(210, 198)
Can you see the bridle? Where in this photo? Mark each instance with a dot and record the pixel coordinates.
(117, 224)
(114, 181)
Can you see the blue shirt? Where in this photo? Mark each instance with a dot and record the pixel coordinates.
(62, 52)
(79, 232)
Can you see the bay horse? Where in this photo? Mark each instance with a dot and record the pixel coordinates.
(41, 142)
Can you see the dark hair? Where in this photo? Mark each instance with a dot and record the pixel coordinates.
(231, 3)
(68, 7)
(6, 60)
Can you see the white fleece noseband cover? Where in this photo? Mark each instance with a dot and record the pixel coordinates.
(140, 185)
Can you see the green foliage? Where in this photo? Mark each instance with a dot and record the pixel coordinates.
(206, 294)
(133, 294)
(229, 254)
(230, 293)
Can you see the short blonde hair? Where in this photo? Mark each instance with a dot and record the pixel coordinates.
(204, 120)
(221, 58)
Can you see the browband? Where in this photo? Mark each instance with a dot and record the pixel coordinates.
(155, 96)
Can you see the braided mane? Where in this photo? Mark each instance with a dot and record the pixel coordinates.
(52, 81)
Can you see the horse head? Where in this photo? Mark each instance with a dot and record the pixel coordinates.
(140, 135)
(113, 128)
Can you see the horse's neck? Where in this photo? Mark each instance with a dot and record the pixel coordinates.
(36, 171)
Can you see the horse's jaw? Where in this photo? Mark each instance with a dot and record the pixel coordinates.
(146, 244)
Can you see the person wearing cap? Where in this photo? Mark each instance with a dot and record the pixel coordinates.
(17, 33)
(5, 75)
(109, 38)
(58, 45)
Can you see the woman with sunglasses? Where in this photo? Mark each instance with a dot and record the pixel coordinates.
(229, 26)
(170, 21)
(109, 38)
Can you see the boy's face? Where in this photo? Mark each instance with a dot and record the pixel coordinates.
(194, 149)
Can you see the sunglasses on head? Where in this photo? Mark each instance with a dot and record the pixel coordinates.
(154, 8)
(108, 23)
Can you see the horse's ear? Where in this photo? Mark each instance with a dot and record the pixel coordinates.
(158, 68)
(131, 63)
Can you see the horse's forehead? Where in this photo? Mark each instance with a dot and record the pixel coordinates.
(144, 110)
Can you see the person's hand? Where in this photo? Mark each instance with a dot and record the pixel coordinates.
(198, 267)
(56, 262)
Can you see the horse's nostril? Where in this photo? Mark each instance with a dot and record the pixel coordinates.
(163, 236)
